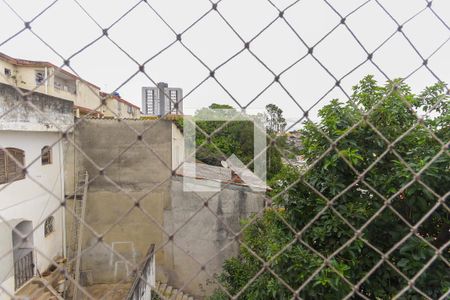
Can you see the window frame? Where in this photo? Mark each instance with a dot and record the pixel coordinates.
(36, 79)
(47, 156)
(6, 163)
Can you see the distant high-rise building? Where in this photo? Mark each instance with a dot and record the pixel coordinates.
(162, 100)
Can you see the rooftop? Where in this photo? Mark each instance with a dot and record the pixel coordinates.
(225, 175)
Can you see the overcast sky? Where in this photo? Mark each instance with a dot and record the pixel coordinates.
(66, 28)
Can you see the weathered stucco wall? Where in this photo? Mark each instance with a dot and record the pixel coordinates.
(134, 169)
(208, 238)
(53, 114)
(142, 169)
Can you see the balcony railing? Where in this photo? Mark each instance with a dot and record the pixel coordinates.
(23, 270)
(65, 88)
(145, 278)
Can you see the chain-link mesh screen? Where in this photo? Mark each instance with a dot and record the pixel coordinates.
(356, 199)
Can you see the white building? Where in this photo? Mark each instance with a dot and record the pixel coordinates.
(30, 202)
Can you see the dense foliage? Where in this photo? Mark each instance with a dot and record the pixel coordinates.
(231, 137)
(360, 200)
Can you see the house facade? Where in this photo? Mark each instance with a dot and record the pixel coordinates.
(48, 79)
(31, 184)
(117, 107)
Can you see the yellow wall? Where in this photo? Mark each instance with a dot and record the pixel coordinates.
(86, 96)
(114, 111)
(3, 78)
(25, 77)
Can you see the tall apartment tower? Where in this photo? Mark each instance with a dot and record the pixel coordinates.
(162, 100)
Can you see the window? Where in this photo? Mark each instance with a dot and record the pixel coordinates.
(7, 72)
(49, 226)
(130, 109)
(10, 170)
(40, 77)
(46, 155)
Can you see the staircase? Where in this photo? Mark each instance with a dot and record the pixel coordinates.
(43, 288)
(37, 289)
(76, 236)
(167, 292)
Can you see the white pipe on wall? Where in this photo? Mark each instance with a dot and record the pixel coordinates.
(63, 217)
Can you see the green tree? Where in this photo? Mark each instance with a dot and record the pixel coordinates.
(378, 136)
(275, 122)
(231, 137)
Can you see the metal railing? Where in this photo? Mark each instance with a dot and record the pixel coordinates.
(141, 289)
(23, 269)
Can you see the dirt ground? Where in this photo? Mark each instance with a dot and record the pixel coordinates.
(109, 291)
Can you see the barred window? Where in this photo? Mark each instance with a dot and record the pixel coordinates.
(49, 226)
(39, 77)
(46, 155)
(10, 170)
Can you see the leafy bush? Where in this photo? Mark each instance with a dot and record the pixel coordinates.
(387, 177)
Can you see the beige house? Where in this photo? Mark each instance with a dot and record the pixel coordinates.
(46, 78)
(116, 107)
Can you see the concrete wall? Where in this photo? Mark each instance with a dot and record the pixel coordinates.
(142, 169)
(133, 170)
(177, 147)
(54, 114)
(208, 237)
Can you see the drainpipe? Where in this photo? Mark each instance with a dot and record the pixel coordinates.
(63, 217)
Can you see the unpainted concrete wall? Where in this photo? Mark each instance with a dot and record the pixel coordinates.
(40, 113)
(140, 169)
(133, 169)
(204, 235)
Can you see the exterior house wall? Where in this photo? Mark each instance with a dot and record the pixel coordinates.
(55, 114)
(143, 171)
(208, 238)
(3, 77)
(38, 195)
(59, 84)
(24, 77)
(32, 199)
(177, 147)
(133, 172)
(118, 109)
(87, 96)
